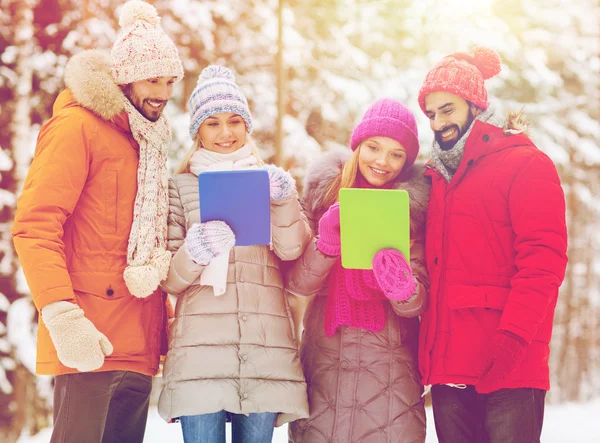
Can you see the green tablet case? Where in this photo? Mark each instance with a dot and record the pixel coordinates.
(371, 220)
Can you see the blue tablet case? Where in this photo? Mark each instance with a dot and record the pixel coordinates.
(240, 199)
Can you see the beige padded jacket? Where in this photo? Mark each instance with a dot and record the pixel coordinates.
(237, 352)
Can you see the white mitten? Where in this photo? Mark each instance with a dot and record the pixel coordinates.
(205, 241)
(78, 343)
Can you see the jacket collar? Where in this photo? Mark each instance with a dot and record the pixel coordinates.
(90, 85)
(486, 139)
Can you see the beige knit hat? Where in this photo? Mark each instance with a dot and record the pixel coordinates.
(142, 49)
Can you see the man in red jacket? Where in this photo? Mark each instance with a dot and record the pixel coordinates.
(496, 254)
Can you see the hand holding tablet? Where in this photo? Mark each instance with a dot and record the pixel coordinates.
(372, 220)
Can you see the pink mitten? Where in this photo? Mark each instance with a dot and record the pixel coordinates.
(329, 242)
(394, 275)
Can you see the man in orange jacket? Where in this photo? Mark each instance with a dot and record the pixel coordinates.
(90, 232)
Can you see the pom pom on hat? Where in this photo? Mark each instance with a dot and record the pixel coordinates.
(217, 92)
(463, 74)
(213, 71)
(142, 49)
(138, 10)
(487, 61)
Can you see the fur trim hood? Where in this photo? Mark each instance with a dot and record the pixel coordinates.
(321, 174)
(515, 123)
(88, 77)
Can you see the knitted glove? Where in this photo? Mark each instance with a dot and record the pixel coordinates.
(281, 184)
(329, 242)
(500, 359)
(394, 275)
(78, 343)
(205, 241)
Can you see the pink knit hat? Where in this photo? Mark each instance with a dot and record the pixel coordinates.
(463, 75)
(389, 118)
(142, 49)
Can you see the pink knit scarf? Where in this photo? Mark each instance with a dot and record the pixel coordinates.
(354, 297)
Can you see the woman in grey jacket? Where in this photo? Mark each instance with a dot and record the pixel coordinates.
(232, 345)
(359, 348)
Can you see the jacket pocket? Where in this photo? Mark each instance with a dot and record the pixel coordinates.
(104, 285)
(489, 297)
(474, 315)
(121, 317)
(110, 184)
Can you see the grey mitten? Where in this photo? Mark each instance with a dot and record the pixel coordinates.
(78, 343)
(205, 241)
(281, 184)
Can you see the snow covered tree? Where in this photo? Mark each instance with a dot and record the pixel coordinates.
(34, 47)
(21, 406)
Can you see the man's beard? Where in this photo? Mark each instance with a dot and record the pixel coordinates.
(461, 130)
(139, 105)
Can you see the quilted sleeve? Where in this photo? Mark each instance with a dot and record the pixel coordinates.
(183, 270)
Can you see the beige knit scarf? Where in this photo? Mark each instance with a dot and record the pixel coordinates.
(147, 256)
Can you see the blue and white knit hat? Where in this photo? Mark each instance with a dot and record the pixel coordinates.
(216, 92)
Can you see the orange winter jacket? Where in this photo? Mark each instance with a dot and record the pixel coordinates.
(73, 220)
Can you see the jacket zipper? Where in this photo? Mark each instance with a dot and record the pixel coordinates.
(443, 257)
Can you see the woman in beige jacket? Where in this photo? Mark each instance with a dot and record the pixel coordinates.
(232, 346)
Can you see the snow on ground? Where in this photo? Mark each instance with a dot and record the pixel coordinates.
(568, 422)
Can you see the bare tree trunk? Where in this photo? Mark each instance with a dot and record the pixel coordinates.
(20, 405)
(562, 341)
(278, 160)
(575, 358)
(21, 124)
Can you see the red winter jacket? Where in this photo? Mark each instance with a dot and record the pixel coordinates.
(496, 254)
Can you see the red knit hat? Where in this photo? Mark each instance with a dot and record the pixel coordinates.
(463, 74)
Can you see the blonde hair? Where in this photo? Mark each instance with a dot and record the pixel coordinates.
(345, 180)
(348, 176)
(184, 166)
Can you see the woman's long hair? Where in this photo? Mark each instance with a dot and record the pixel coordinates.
(345, 180)
(184, 166)
(348, 176)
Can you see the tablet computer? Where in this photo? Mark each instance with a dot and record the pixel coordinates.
(241, 199)
(371, 220)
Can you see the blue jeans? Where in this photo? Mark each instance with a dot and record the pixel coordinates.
(210, 428)
(504, 416)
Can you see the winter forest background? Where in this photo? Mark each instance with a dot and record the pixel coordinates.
(338, 57)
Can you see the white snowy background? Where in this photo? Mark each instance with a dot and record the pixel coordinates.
(339, 56)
